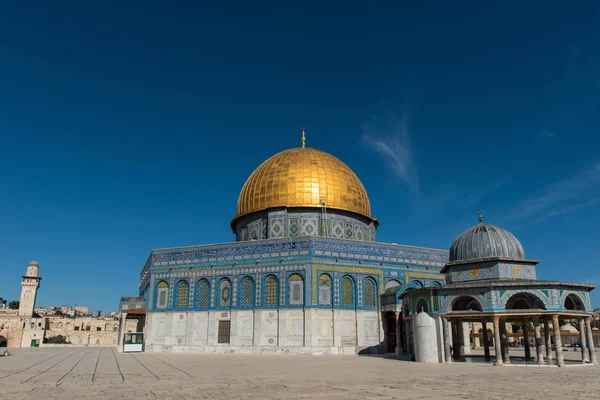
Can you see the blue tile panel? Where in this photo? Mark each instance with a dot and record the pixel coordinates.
(490, 270)
(551, 297)
(362, 261)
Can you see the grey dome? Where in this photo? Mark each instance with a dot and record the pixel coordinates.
(486, 241)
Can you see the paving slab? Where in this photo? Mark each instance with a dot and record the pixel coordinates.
(102, 373)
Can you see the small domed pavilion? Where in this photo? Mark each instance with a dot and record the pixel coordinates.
(489, 280)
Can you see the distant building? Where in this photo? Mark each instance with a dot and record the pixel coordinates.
(28, 328)
(81, 310)
(66, 309)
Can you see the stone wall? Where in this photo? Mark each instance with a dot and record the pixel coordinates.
(86, 337)
(310, 331)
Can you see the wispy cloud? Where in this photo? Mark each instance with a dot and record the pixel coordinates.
(569, 209)
(391, 139)
(562, 197)
(545, 137)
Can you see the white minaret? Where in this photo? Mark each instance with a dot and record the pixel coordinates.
(30, 284)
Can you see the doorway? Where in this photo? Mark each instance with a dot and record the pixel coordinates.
(390, 334)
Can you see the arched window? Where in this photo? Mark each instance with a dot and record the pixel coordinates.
(369, 293)
(271, 291)
(524, 301)
(60, 325)
(573, 302)
(225, 293)
(183, 291)
(296, 290)
(465, 303)
(325, 290)
(203, 296)
(347, 291)
(422, 306)
(392, 283)
(69, 326)
(162, 294)
(115, 328)
(247, 293)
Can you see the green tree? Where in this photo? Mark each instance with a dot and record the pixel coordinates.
(14, 305)
(59, 339)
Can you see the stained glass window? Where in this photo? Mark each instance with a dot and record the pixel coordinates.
(271, 291)
(369, 293)
(182, 294)
(225, 294)
(162, 295)
(203, 299)
(347, 292)
(325, 290)
(296, 290)
(247, 292)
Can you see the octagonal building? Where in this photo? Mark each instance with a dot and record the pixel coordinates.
(305, 274)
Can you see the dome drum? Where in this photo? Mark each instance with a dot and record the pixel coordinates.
(284, 222)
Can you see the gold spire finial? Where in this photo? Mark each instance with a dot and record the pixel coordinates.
(303, 137)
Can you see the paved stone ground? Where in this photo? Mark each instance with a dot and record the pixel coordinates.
(102, 373)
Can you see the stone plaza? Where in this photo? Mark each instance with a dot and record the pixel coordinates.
(103, 373)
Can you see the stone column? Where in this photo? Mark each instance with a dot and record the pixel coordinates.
(505, 349)
(547, 340)
(585, 356)
(538, 341)
(560, 361)
(460, 336)
(447, 340)
(121, 331)
(466, 339)
(407, 337)
(497, 346)
(525, 329)
(486, 341)
(455, 342)
(397, 316)
(590, 340)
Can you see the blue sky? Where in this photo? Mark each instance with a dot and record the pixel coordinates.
(130, 127)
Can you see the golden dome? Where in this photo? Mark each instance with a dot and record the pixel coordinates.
(303, 177)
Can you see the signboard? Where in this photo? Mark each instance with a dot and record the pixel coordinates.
(133, 342)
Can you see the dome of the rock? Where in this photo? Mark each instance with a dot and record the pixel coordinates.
(303, 177)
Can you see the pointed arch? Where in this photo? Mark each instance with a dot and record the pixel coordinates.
(466, 303)
(271, 291)
(225, 293)
(203, 293)
(369, 293)
(422, 305)
(183, 291)
(247, 294)
(162, 295)
(418, 283)
(325, 290)
(574, 302)
(296, 289)
(347, 288)
(392, 283)
(524, 301)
